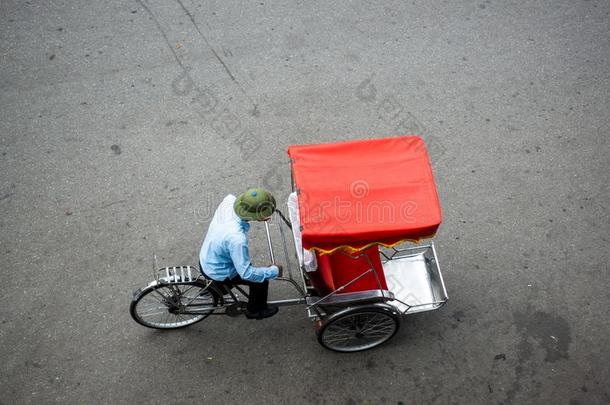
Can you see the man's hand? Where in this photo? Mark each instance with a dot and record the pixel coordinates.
(280, 270)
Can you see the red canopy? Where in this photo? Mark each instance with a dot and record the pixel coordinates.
(359, 193)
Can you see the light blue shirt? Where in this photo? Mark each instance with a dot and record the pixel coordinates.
(224, 253)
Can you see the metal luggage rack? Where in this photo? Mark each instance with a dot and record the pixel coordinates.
(177, 274)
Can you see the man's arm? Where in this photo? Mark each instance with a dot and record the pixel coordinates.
(241, 260)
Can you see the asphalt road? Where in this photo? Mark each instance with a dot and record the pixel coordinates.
(123, 124)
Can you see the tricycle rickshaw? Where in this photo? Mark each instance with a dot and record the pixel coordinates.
(356, 213)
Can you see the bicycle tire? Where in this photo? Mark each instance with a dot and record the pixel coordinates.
(163, 305)
(359, 328)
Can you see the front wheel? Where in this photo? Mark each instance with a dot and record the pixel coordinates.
(173, 306)
(359, 328)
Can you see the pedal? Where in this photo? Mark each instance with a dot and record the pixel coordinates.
(236, 309)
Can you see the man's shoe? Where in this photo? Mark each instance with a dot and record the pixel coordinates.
(265, 313)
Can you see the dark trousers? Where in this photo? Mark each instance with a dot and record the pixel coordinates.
(257, 291)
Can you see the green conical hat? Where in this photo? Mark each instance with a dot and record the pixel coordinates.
(255, 204)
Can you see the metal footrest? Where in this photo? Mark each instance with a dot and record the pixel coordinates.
(414, 276)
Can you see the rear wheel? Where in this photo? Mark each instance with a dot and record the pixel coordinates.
(359, 328)
(173, 306)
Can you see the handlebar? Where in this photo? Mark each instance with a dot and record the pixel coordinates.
(289, 279)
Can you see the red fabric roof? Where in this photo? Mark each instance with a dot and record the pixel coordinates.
(363, 192)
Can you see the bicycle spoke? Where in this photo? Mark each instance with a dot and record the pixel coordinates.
(167, 306)
(359, 331)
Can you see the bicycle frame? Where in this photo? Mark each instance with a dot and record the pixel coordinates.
(335, 298)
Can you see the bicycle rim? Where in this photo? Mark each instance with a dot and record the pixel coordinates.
(173, 306)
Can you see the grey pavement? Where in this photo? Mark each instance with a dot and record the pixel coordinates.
(123, 124)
